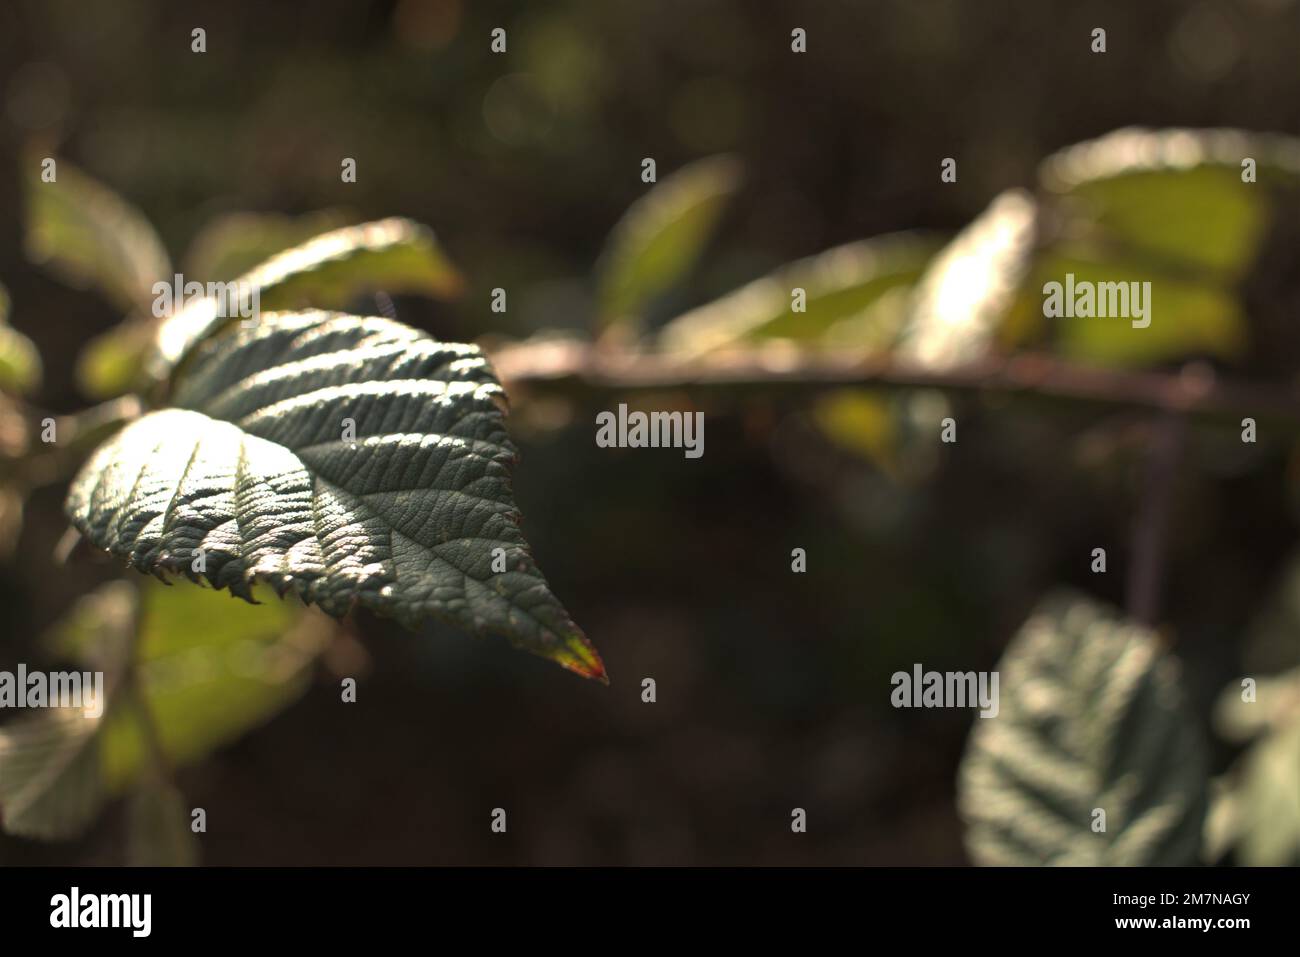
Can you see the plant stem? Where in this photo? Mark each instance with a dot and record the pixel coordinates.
(1195, 390)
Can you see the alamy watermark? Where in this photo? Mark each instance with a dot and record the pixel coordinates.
(54, 689)
(1084, 299)
(233, 300)
(653, 430)
(946, 689)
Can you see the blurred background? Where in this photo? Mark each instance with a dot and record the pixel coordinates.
(773, 688)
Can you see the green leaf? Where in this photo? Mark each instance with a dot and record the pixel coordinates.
(970, 286)
(209, 671)
(50, 783)
(258, 466)
(1188, 317)
(661, 236)
(394, 255)
(235, 243)
(113, 362)
(20, 362)
(1172, 196)
(1090, 717)
(855, 297)
(89, 236)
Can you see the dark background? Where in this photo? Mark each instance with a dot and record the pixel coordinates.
(773, 688)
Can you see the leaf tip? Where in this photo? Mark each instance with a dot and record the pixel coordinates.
(578, 656)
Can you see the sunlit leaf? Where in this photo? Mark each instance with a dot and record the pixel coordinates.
(848, 300)
(661, 236)
(1090, 719)
(1266, 801)
(90, 236)
(393, 255)
(1256, 812)
(970, 285)
(1172, 196)
(257, 464)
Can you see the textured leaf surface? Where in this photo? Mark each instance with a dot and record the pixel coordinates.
(395, 255)
(662, 234)
(354, 461)
(89, 235)
(1089, 718)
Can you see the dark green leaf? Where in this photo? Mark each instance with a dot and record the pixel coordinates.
(258, 466)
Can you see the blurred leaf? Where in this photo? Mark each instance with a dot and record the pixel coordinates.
(89, 236)
(50, 783)
(235, 243)
(858, 420)
(113, 362)
(159, 832)
(661, 236)
(393, 255)
(403, 519)
(1090, 717)
(1265, 808)
(1256, 810)
(1171, 196)
(20, 362)
(897, 431)
(210, 670)
(1187, 317)
(848, 300)
(969, 287)
(1276, 706)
